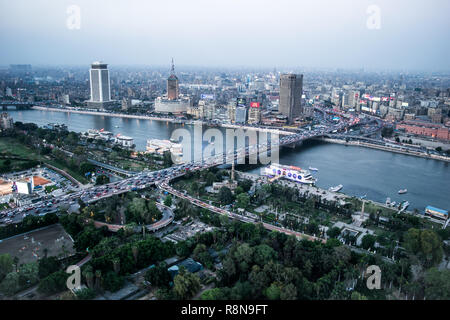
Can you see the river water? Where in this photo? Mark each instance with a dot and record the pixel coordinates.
(362, 171)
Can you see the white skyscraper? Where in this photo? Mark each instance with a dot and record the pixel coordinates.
(100, 88)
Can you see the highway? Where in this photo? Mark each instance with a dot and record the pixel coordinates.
(146, 179)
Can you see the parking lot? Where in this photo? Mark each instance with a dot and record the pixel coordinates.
(29, 247)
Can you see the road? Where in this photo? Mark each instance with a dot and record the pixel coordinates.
(146, 179)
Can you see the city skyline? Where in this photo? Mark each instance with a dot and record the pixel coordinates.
(259, 35)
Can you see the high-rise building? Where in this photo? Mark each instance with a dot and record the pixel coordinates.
(172, 85)
(353, 99)
(207, 109)
(291, 90)
(241, 115)
(254, 113)
(231, 112)
(100, 88)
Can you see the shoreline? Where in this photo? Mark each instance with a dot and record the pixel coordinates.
(159, 118)
(234, 126)
(384, 148)
(318, 191)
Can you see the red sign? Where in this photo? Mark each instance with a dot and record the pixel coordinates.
(254, 104)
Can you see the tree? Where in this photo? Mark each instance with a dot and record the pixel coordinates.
(85, 294)
(243, 200)
(6, 265)
(159, 276)
(425, 244)
(102, 179)
(88, 238)
(358, 296)
(54, 282)
(10, 284)
(210, 178)
(186, 284)
(288, 292)
(238, 190)
(48, 266)
(437, 284)
(263, 254)
(334, 232)
(246, 184)
(168, 200)
(167, 159)
(273, 292)
(225, 196)
(368, 241)
(214, 294)
(112, 281)
(28, 274)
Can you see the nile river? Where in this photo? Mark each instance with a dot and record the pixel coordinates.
(362, 171)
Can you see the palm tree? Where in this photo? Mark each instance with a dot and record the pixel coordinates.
(90, 279)
(116, 265)
(98, 280)
(135, 251)
(16, 262)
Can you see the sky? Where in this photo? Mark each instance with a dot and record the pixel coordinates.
(372, 34)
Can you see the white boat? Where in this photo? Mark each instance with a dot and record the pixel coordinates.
(393, 204)
(402, 191)
(388, 201)
(336, 189)
(405, 205)
(313, 169)
(289, 172)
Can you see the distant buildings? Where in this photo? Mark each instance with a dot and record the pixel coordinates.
(164, 105)
(254, 113)
(291, 90)
(126, 104)
(124, 141)
(206, 109)
(6, 122)
(231, 112)
(20, 67)
(433, 130)
(241, 115)
(56, 126)
(100, 85)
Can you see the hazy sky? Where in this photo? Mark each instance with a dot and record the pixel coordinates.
(413, 34)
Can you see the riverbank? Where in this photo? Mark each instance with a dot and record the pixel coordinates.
(160, 118)
(342, 198)
(385, 148)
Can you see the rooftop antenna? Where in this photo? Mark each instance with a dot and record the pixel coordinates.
(172, 70)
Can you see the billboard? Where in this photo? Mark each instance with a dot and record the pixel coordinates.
(208, 96)
(254, 104)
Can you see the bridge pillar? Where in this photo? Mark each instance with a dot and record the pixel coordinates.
(294, 144)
